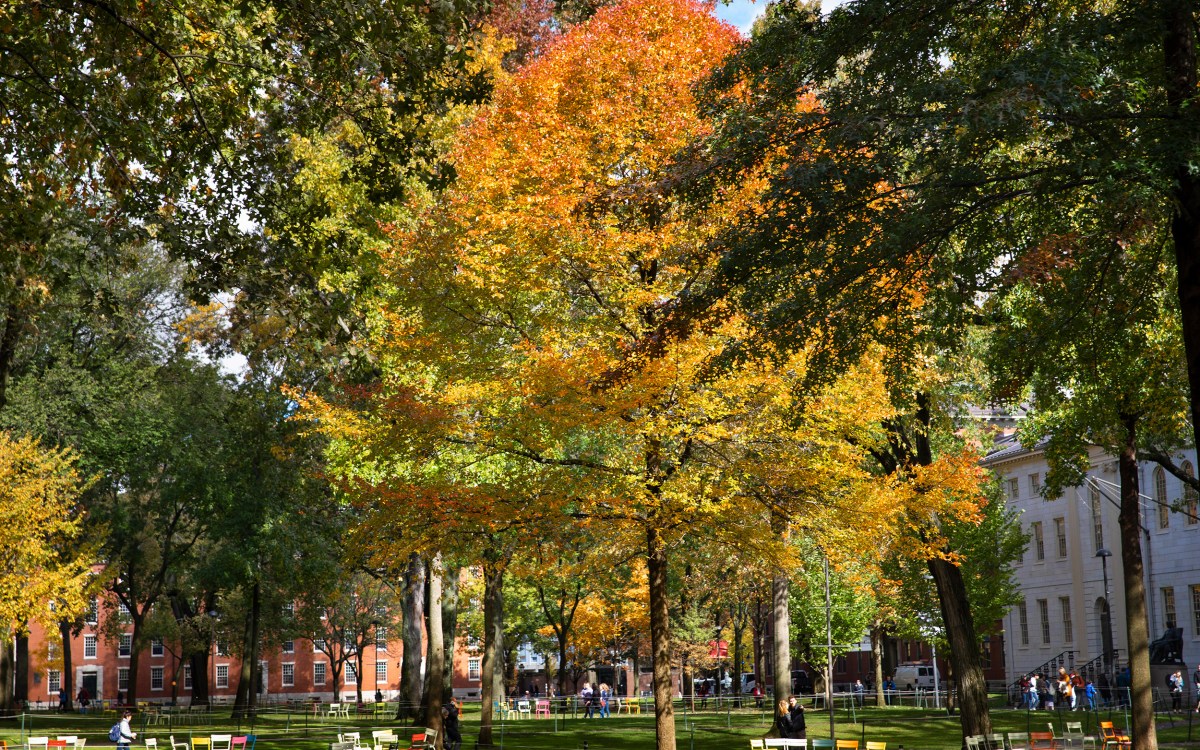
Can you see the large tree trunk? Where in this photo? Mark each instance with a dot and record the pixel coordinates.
(493, 638)
(21, 670)
(435, 662)
(247, 698)
(201, 692)
(6, 669)
(660, 641)
(412, 637)
(1136, 622)
(68, 673)
(134, 657)
(781, 622)
(964, 647)
(1179, 62)
(449, 628)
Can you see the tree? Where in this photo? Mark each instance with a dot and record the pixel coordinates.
(1107, 372)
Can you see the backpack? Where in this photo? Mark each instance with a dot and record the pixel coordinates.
(114, 734)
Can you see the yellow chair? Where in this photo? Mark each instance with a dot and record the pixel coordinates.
(201, 743)
(876, 746)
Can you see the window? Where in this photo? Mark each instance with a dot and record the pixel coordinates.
(1039, 544)
(53, 681)
(156, 647)
(122, 678)
(187, 676)
(1014, 489)
(222, 675)
(1191, 499)
(1023, 615)
(123, 609)
(1044, 611)
(1035, 484)
(93, 611)
(839, 665)
(1060, 536)
(289, 674)
(1168, 599)
(156, 678)
(1064, 603)
(318, 645)
(319, 673)
(380, 638)
(222, 647)
(1097, 520)
(351, 674)
(89, 647)
(381, 671)
(1160, 498)
(1195, 610)
(125, 646)
(473, 666)
(289, 610)
(289, 647)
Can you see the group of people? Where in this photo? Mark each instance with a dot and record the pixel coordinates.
(1175, 684)
(1068, 690)
(789, 719)
(595, 700)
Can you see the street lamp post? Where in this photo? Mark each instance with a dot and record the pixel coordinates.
(1106, 624)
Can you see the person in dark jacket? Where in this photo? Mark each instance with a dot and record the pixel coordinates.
(783, 720)
(450, 726)
(796, 714)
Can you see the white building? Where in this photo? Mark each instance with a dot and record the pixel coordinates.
(1062, 579)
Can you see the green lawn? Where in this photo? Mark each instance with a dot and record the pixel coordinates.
(915, 729)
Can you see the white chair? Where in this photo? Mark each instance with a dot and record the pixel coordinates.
(524, 709)
(430, 738)
(797, 744)
(152, 743)
(80, 742)
(179, 745)
(41, 742)
(222, 741)
(774, 742)
(994, 741)
(1018, 740)
(334, 711)
(67, 738)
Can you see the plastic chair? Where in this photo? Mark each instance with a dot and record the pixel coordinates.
(847, 745)
(542, 706)
(178, 745)
(238, 742)
(221, 741)
(822, 744)
(201, 743)
(876, 746)
(38, 742)
(1018, 741)
(151, 743)
(1112, 737)
(524, 709)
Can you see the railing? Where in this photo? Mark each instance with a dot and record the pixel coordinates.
(1064, 660)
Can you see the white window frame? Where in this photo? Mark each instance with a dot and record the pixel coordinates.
(349, 675)
(53, 682)
(381, 671)
(157, 674)
(1064, 604)
(320, 672)
(474, 668)
(288, 647)
(123, 679)
(287, 674)
(125, 645)
(187, 676)
(156, 647)
(1044, 613)
(1170, 613)
(222, 676)
(89, 646)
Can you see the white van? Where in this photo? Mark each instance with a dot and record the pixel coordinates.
(915, 675)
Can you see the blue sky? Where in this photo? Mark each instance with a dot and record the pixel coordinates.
(741, 13)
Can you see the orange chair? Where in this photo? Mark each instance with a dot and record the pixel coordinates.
(1111, 737)
(418, 741)
(1041, 741)
(847, 745)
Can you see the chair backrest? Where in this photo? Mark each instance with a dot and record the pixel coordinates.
(151, 742)
(972, 742)
(775, 742)
(1041, 739)
(757, 745)
(797, 743)
(430, 735)
(239, 741)
(847, 745)
(825, 744)
(1073, 729)
(68, 738)
(1106, 729)
(1018, 740)
(876, 746)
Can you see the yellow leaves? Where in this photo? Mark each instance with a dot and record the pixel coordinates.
(39, 525)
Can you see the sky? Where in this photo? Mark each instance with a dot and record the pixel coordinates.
(741, 13)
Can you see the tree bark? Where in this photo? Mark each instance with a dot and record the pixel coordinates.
(68, 673)
(247, 700)
(1136, 622)
(21, 670)
(413, 641)
(493, 636)
(449, 628)
(974, 717)
(660, 641)
(6, 669)
(134, 656)
(435, 662)
(877, 661)
(781, 621)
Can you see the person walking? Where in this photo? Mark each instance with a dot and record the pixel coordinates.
(1196, 681)
(125, 735)
(605, 694)
(1176, 682)
(586, 695)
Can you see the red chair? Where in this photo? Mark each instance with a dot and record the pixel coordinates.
(418, 741)
(1041, 741)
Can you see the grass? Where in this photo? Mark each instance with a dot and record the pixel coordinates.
(912, 728)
